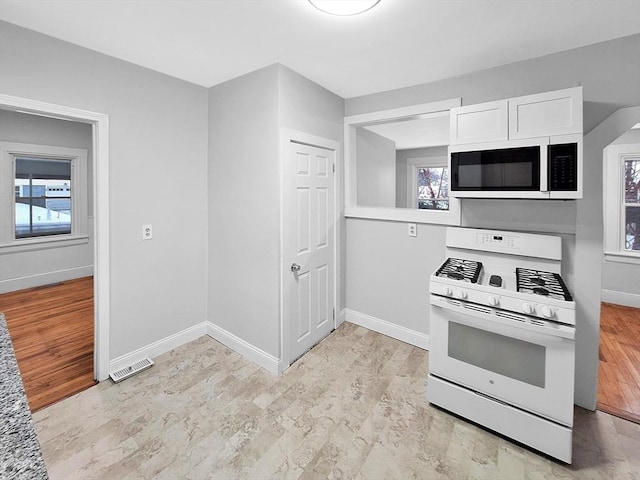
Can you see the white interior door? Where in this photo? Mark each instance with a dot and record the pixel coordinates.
(308, 237)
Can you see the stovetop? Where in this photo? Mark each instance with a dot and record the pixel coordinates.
(459, 269)
(538, 282)
(530, 291)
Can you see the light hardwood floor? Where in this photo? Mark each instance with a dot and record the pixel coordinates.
(619, 371)
(52, 333)
(354, 407)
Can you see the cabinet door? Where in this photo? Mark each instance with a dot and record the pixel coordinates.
(546, 114)
(485, 122)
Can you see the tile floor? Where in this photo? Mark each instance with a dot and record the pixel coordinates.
(352, 408)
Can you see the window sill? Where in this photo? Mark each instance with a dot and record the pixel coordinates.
(449, 217)
(43, 243)
(622, 257)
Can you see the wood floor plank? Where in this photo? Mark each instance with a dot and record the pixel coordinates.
(619, 369)
(52, 330)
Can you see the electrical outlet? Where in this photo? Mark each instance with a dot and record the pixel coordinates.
(147, 232)
(413, 230)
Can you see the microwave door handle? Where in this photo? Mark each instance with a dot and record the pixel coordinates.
(544, 169)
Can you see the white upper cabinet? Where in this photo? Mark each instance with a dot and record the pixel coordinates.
(531, 116)
(546, 114)
(485, 122)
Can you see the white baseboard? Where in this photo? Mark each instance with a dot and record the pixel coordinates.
(342, 317)
(159, 347)
(20, 283)
(398, 332)
(250, 352)
(244, 348)
(621, 298)
(256, 355)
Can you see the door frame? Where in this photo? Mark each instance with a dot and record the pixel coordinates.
(288, 136)
(101, 292)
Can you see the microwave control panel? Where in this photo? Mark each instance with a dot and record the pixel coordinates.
(563, 167)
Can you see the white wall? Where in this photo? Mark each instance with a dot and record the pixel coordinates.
(376, 167)
(30, 269)
(158, 147)
(610, 81)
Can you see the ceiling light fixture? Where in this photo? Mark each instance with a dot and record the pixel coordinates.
(344, 7)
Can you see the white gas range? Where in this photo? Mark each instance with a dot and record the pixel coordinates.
(502, 349)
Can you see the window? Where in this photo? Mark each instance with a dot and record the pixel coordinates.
(428, 183)
(622, 202)
(631, 203)
(433, 188)
(43, 196)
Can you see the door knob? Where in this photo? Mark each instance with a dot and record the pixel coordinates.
(295, 267)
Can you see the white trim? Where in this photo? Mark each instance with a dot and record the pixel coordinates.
(159, 347)
(413, 164)
(412, 337)
(623, 257)
(438, 217)
(350, 164)
(383, 116)
(100, 124)
(288, 135)
(613, 157)
(244, 348)
(341, 317)
(621, 298)
(9, 152)
(43, 243)
(14, 284)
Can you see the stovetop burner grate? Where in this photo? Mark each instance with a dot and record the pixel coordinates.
(458, 269)
(547, 284)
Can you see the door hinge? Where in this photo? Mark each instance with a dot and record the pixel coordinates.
(334, 167)
(334, 313)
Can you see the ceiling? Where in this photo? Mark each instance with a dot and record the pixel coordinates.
(398, 43)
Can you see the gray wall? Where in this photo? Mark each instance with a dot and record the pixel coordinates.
(610, 82)
(245, 116)
(244, 208)
(158, 150)
(30, 269)
(306, 106)
(376, 169)
(608, 71)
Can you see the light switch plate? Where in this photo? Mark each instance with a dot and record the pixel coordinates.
(147, 232)
(413, 229)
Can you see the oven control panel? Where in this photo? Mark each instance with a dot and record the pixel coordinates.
(508, 241)
(548, 247)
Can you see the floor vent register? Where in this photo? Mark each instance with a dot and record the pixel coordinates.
(126, 372)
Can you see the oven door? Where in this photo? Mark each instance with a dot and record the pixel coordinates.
(525, 365)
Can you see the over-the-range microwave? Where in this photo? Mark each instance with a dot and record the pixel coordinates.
(530, 168)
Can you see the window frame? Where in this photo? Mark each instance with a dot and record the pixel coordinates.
(79, 201)
(614, 158)
(412, 177)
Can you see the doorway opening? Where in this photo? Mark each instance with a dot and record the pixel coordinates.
(92, 291)
(619, 358)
